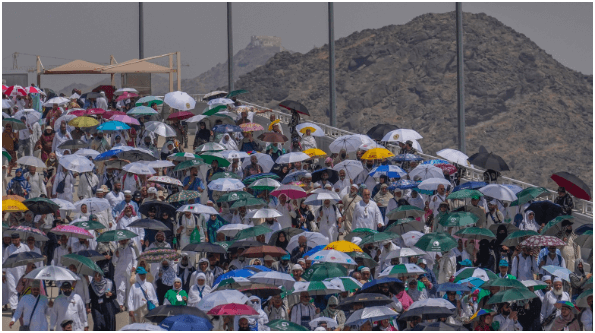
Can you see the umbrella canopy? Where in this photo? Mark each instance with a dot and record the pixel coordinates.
(449, 286)
(325, 270)
(189, 164)
(573, 185)
(314, 288)
(89, 225)
(425, 171)
(503, 282)
(253, 232)
(379, 131)
(315, 130)
(401, 135)
(273, 137)
(343, 246)
(292, 158)
(26, 232)
(431, 184)
(244, 273)
(232, 310)
(158, 255)
(179, 100)
(205, 247)
(377, 154)
(160, 128)
(233, 196)
(480, 273)
(64, 205)
(488, 161)
(91, 254)
(76, 163)
(166, 180)
(332, 256)
(498, 191)
(210, 147)
(221, 297)
(291, 191)
(436, 242)
(41, 206)
(93, 204)
(140, 111)
(294, 106)
(369, 298)
(561, 272)
(13, 197)
(115, 236)
(351, 167)
(232, 283)
(139, 168)
(510, 295)
(285, 325)
(475, 233)
(581, 300)
(374, 313)
(210, 157)
(350, 143)
(148, 223)
(213, 109)
(182, 156)
(514, 238)
(31, 161)
(539, 241)
(454, 156)
(406, 252)
(313, 239)
(464, 194)
(186, 323)
(273, 278)
(264, 160)
(181, 115)
(263, 250)
(113, 126)
(378, 238)
(407, 158)
(87, 122)
(84, 265)
(265, 213)
(528, 194)
(87, 152)
(52, 273)
(231, 154)
(15, 123)
(248, 202)
(73, 144)
(545, 210)
(318, 198)
(72, 231)
(430, 308)
(266, 184)
(226, 185)
(391, 171)
(122, 118)
(161, 312)
(402, 270)
(458, 219)
(585, 240)
(149, 100)
(405, 211)
(346, 283)
(553, 227)
(22, 259)
(436, 326)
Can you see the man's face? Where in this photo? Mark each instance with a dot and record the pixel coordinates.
(327, 203)
(304, 298)
(214, 164)
(561, 193)
(384, 289)
(303, 241)
(558, 285)
(366, 195)
(16, 241)
(203, 266)
(118, 187)
(474, 202)
(441, 189)
(503, 270)
(549, 284)
(253, 159)
(297, 273)
(63, 127)
(83, 208)
(160, 238)
(152, 214)
(194, 171)
(244, 324)
(164, 216)
(365, 275)
(451, 295)
(35, 291)
(342, 174)
(324, 176)
(370, 163)
(31, 241)
(128, 211)
(552, 249)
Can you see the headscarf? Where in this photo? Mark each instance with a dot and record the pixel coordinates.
(483, 256)
(21, 177)
(280, 244)
(198, 292)
(177, 279)
(529, 224)
(560, 322)
(101, 287)
(405, 300)
(499, 236)
(414, 293)
(160, 244)
(124, 212)
(332, 301)
(580, 274)
(168, 276)
(230, 143)
(205, 133)
(383, 198)
(166, 150)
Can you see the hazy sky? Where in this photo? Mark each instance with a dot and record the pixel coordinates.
(93, 31)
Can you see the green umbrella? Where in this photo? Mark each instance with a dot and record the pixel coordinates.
(225, 244)
(516, 237)
(367, 260)
(585, 240)
(359, 232)
(254, 178)
(405, 225)
(285, 325)
(41, 206)
(210, 157)
(209, 111)
(265, 184)
(248, 202)
(324, 270)
(581, 300)
(89, 225)
(402, 270)
(4, 226)
(475, 233)
(529, 194)
(436, 242)
(554, 226)
(209, 147)
(231, 284)
(150, 100)
(189, 164)
(183, 157)
(115, 236)
(141, 111)
(464, 194)
(224, 175)
(84, 265)
(379, 237)
(589, 283)
(252, 232)
(16, 124)
(458, 219)
(6, 154)
(405, 211)
(184, 196)
(348, 283)
(236, 93)
(503, 282)
(509, 295)
(233, 196)
(468, 272)
(315, 288)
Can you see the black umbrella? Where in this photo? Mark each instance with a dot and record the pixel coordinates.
(333, 175)
(379, 131)
(22, 259)
(573, 185)
(244, 244)
(135, 156)
(289, 232)
(149, 224)
(159, 313)
(73, 144)
(394, 285)
(41, 206)
(436, 326)
(91, 254)
(510, 228)
(205, 247)
(159, 205)
(489, 161)
(427, 312)
(294, 106)
(545, 211)
(369, 299)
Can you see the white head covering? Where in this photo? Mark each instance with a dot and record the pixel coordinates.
(546, 278)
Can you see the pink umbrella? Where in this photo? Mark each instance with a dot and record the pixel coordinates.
(539, 241)
(72, 231)
(448, 167)
(112, 113)
(181, 115)
(78, 113)
(125, 119)
(291, 191)
(251, 127)
(126, 95)
(15, 90)
(95, 111)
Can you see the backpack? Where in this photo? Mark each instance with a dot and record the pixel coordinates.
(17, 189)
(61, 185)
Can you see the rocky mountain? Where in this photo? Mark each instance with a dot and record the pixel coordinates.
(520, 102)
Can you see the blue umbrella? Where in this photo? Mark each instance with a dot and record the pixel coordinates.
(186, 323)
(226, 128)
(294, 176)
(258, 268)
(472, 281)
(245, 273)
(449, 286)
(113, 126)
(107, 155)
(391, 171)
(436, 162)
(405, 184)
(407, 158)
(470, 185)
(314, 250)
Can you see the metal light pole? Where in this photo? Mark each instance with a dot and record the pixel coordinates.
(331, 64)
(229, 49)
(460, 77)
(141, 32)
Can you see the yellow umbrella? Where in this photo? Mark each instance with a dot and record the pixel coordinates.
(13, 206)
(343, 246)
(83, 122)
(314, 152)
(312, 129)
(377, 154)
(276, 121)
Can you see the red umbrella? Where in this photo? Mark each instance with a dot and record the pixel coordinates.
(448, 167)
(32, 90)
(539, 241)
(95, 111)
(111, 113)
(15, 90)
(126, 95)
(232, 309)
(181, 115)
(4, 87)
(572, 184)
(78, 113)
(263, 250)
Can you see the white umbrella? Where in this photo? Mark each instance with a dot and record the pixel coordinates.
(231, 230)
(6, 104)
(93, 204)
(330, 323)
(226, 185)
(179, 100)
(198, 209)
(410, 269)
(292, 158)
(76, 163)
(31, 161)
(160, 164)
(401, 135)
(411, 237)
(499, 192)
(319, 197)
(224, 101)
(123, 90)
(351, 167)
(139, 168)
(316, 132)
(273, 278)
(166, 180)
(406, 252)
(426, 171)
(370, 313)
(160, 128)
(56, 100)
(333, 256)
(533, 283)
(314, 239)
(368, 146)
(266, 213)
(52, 273)
(454, 156)
(266, 182)
(64, 204)
(196, 119)
(432, 302)
(264, 160)
(87, 152)
(415, 145)
(66, 118)
(213, 93)
(74, 96)
(221, 297)
(231, 154)
(32, 115)
(350, 143)
(477, 272)
(431, 184)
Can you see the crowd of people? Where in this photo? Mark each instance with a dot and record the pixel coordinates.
(302, 238)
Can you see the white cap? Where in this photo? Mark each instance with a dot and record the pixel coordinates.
(546, 278)
(99, 190)
(297, 267)
(354, 185)
(127, 192)
(308, 175)
(328, 185)
(557, 279)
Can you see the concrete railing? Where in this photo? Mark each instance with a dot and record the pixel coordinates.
(583, 207)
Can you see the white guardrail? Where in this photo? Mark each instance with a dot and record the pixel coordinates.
(471, 174)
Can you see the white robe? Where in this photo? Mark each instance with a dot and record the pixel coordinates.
(114, 198)
(58, 253)
(69, 308)
(288, 212)
(39, 321)
(328, 222)
(129, 183)
(13, 274)
(68, 186)
(123, 224)
(366, 219)
(194, 294)
(87, 181)
(60, 138)
(122, 270)
(37, 185)
(136, 297)
(447, 267)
